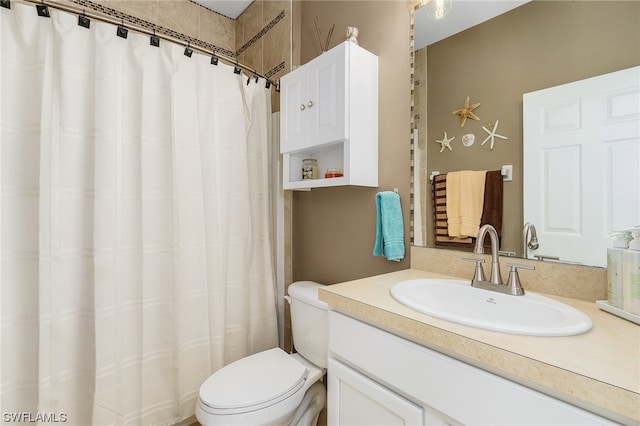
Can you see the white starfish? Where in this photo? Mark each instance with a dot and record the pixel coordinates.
(492, 135)
(445, 143)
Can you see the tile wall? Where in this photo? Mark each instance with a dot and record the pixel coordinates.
(419, 146)
(263, 39)
(260, 38)
(182, 19)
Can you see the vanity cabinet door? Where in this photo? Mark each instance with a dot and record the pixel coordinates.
(357, 400)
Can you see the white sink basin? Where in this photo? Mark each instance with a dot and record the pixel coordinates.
(456, 301)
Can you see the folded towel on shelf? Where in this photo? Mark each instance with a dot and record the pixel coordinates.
(465, 200)
(389, 226)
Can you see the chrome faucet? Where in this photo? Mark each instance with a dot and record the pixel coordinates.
(513, 285)
(529, 230)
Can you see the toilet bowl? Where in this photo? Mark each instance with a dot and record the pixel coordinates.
(273, 387)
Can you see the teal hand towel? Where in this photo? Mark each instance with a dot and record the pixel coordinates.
(389, 226)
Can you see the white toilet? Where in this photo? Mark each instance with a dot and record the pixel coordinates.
(273, 387)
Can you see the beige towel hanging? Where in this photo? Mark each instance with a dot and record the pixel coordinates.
(465, 199)
(440, 215)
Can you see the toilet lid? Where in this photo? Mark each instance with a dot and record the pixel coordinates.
(262, 379)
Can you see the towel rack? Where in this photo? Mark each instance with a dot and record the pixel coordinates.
(506, 171)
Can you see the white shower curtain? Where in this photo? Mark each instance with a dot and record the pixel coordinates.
(136, 242)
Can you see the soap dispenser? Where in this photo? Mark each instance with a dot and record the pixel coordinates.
(631, 274)
(614, 268)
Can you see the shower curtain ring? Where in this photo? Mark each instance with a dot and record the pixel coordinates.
(154, 40)
(237, 69)
(121, 31)
(83, 20)
(43, 10)
(214, 59)
(188, 51)
(5, 3)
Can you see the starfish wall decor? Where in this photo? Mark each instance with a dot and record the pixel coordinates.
(492, 134)
(467, 112)
(445, 143)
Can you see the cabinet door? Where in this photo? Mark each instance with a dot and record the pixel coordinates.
(327, 102)
(357, 400)
(293, 99)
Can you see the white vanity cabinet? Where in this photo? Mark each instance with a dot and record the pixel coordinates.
(362, 401)
(379, 378)
(329, 112)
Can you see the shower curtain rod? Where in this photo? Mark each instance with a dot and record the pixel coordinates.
(130, 26)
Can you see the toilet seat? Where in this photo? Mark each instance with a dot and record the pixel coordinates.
(252, 383)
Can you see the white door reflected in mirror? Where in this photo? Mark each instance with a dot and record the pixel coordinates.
(581, 169)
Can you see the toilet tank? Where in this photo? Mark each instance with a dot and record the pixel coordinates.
(309, 322)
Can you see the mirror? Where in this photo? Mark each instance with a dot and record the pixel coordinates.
(532, 46)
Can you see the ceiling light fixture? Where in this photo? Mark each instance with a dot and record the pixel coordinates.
(438, 9)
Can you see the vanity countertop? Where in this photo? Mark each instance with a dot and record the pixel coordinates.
(598, 370)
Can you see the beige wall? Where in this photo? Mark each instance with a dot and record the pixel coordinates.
(260, 38)
(173, 16)
(263, 39)
(538, 45)
(334, 228)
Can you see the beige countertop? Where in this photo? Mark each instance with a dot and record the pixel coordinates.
(598, 370)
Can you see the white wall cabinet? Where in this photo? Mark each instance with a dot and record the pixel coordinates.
(374, 373)
(329, 112)
(313, 101)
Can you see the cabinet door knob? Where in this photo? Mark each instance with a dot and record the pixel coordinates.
(310, 104)
(302, 107)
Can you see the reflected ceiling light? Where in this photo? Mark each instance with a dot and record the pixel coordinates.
(438, 9)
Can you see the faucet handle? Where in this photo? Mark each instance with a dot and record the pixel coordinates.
(514, 279)
(542, 257)
(515, 267)
(479, 272)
